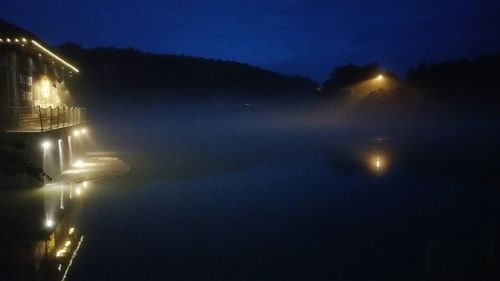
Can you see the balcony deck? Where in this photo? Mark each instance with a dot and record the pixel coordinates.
(38, 119)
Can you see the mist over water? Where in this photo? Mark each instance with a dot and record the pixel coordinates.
(317, 191)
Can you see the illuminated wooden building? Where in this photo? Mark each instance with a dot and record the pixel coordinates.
(37, 118)
(33, 79)
(44, 166)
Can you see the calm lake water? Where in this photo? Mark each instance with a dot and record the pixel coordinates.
(250, 192)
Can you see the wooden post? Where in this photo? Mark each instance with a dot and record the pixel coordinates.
(40, 116)
(57, 117)
(50, 118)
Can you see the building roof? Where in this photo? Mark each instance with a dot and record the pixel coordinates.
(12, 34)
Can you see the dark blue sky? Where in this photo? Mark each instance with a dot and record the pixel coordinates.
(307, 37)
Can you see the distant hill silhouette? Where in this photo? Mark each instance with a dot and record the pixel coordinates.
(111, 73)
(345, 76)
(458, 80)
(368, 83)
(131, 73)
(461, 81)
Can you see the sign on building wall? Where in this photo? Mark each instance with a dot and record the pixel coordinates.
(26, 82)
(26, 95)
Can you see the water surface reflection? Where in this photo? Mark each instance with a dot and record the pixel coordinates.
(223, 193)
(40, 235)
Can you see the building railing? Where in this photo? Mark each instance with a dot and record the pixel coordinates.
(44, 119)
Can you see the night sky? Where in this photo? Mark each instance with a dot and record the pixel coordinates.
(306, 37)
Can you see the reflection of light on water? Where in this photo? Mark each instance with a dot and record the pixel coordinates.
(83, 164)
(61, 252)
(377, 163)
(78, 164)
(96, 167)
(75, 182)
(72, 258)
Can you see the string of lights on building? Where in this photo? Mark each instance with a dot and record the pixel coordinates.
(26, 42)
